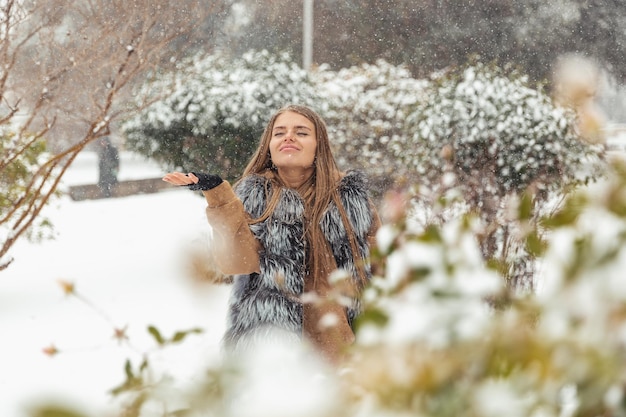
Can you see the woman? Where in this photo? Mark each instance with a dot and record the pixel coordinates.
(292, 220)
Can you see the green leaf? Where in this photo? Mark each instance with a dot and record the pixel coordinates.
(535, 245)
(156, 334)
(373, 316)
(128, 370)
(418, 274)
(54, 411)
(525, 209)
(179, 336)
(132, 382)
(431, 234)
(500, 266)
(568, 215)
(144, 365)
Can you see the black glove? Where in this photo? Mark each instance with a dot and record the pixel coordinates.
(206, 181)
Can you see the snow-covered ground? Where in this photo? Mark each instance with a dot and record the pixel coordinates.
(126, 257)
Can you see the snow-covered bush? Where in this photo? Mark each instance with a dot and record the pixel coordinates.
(210, 114)
(441, 338)
(492, 138)
(368, 108)
(495, 133)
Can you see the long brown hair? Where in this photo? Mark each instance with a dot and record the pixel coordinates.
(317, 192)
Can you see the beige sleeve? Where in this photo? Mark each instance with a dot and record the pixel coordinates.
(234, 247)
(371, 237)
(376, 223)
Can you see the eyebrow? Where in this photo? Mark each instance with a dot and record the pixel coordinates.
(297, 127)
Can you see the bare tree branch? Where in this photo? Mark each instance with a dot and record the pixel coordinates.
(67, 73)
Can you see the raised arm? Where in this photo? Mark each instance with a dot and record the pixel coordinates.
(235, 247)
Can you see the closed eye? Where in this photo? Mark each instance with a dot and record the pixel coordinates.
(300, 133)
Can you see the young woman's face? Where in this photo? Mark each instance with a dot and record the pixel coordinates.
(293, 142)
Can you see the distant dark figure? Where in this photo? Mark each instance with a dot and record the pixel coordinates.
(108, 166)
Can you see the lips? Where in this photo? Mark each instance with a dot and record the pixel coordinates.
(288, 148)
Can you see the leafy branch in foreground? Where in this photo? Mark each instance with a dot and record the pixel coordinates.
(142, 379)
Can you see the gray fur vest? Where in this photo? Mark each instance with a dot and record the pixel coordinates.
(266, 304)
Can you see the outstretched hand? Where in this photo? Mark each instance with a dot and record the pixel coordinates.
(194, 181)
(179, 178)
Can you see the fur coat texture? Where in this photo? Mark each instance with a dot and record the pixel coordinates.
(269, 305)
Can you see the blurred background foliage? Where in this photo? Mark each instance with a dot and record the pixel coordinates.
(427, 36)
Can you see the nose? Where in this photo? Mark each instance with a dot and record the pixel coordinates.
(289, 135)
